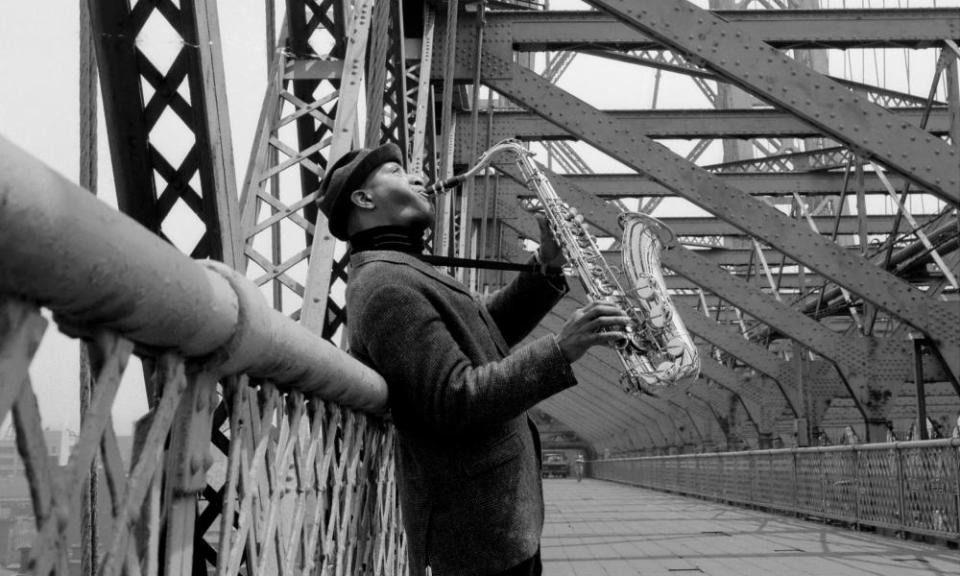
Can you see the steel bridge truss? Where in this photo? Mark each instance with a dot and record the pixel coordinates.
(795, 311)
(787, 259)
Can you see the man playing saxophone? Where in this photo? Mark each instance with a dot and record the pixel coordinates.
(460, 385)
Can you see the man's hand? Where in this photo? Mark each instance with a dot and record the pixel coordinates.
(550, 252)
(585, 329)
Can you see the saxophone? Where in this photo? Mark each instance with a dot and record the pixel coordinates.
(657, 351)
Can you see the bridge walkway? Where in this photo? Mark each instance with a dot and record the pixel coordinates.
(599, 528)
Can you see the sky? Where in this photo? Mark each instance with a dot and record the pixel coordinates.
(39, 112)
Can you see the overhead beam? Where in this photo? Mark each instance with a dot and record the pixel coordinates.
(750, 353)
(717, 372)
(615, 186)
(727, 378)
(742, 58)
(708, 226)
(665, 124)
(706, 419)
(874, 28)
(938, 319)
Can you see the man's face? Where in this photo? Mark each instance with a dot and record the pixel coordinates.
(399, 197)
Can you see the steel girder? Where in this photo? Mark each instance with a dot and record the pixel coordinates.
(738, 56)
(782, 375)
(750, 353)
(601, 370)
(730, 380)
(789, 284)
(724, 405)
(864, 28)
(508, 209)
(616, 186)
(575, 299)
(709, 426)
(677, 124)
(598, 392)
(938, 319)
(871, 367)
(138, 162)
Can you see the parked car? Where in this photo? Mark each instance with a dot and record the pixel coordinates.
(555, 465)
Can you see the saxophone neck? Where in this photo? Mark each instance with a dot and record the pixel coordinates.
(511, 145)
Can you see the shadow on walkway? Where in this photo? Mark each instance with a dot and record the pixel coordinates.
(597, 528)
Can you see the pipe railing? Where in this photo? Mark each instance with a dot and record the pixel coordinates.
(95, 267)
(251, 457)
(911, 487)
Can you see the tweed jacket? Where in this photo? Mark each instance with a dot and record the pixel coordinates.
(467, 454)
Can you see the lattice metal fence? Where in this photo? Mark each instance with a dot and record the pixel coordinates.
(298, 479)
(907, 486)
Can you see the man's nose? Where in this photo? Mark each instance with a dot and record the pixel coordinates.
(415, 179)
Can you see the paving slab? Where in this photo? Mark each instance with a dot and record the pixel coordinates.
(598, 528)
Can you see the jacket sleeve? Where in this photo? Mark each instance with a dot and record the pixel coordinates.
(431, 379)
(519, 306)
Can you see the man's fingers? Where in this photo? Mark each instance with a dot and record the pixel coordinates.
(606, 322)
(608, 337)
(597, 309)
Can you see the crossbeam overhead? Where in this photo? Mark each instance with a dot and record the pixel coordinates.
(730, 123)
(610, 186)
(841, 28)
(939, 319)
(737, 55)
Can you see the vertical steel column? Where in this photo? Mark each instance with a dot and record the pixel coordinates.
(921, 388)
(900, 487)
(320, 273)
(424, 93)
(89, 533)
(137, 162)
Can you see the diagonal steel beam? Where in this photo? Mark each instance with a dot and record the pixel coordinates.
(727, 378)
(611, 186)
(751, 353)
(938, 319)
(599, 377)
(730, 380)
(739, 57)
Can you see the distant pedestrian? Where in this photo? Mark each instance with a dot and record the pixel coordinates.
(579, 467)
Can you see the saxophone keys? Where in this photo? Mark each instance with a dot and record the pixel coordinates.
(644, 289)
(675, 347)
(658, 317)
(665, 367)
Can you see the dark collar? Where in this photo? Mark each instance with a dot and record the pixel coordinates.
(397, 238)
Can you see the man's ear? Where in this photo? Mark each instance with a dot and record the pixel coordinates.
(361, 198)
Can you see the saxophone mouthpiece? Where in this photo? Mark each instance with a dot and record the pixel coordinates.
(442, 186)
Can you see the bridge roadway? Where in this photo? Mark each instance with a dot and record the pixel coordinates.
(599, 528)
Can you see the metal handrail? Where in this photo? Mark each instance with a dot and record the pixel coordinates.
(94, 267)
(912, 487)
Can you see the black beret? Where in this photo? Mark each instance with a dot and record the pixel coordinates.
(346, 175)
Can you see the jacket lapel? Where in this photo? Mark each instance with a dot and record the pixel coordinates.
(411, 260)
